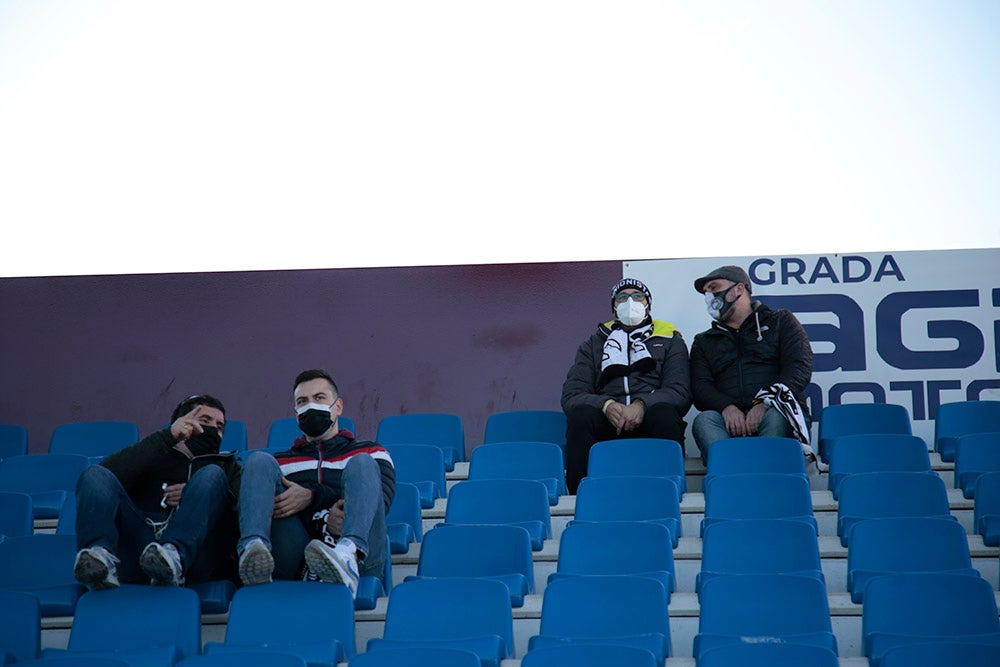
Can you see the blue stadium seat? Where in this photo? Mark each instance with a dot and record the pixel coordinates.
(520, 502)
(403, 521)
(882, 452)
(656, 457)
(759, 454)
(247, 659)
(467, 614)
(234, 436)
(423, 467)
(905, 544)
(148, 626)
(214, 595)
(526, 425)
(875, 495)
(626, 498)
(13, 440)
(986, 512)
(749, 608)
(42, 566)
(498, 552)
(20, 627)
(16, 514)
(975, 454)
(758, 496)
(636, 548)
(417, 656)
(605, 609)
(769, 655)
(76, 661)
(94, 439)
(542, 461)
(259, 621)
(441, 430)
(963, 418)
(923, 607)
(48, 478)
(589, 655)
(759, 546)
(860, 419)
(283, 432)
(371, 587)
(942, 653)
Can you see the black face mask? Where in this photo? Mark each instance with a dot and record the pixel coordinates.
(315, 423)
(206, 442)
(718, 306)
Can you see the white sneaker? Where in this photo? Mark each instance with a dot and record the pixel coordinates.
(163, 564)
(334, 565)
(256, 563)
(95, 568)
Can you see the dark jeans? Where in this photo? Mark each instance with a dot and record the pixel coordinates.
(202, 527)
(586, 425)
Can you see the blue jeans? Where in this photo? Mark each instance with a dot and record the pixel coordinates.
(710, 426)
(364, 514)
(107, 517)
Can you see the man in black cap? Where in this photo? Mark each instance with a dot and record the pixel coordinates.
(749, 358)
(630, 380)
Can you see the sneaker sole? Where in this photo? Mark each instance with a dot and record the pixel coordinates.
(93, 573)
(257, 567)
(328, 569)
(158, 568)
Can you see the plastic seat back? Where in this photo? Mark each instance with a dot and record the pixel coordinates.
(421, 466)
(874, 495)
(42, 565)
(657, 457)
(630, 498)
(782, 608)
(759, 546)
(526, 425)
(48, 478)
(769, 655)
(860, 419)
(542, 461)
(16, 514)
(243, 659)
(884, 452)
(986, 512)
(521, 502)
(13, 440)
(975, 454)
(20, 626)
(921, 607)
(441, 430)
(417, 656)
(905, 544)
(597, 548)
(498, 552)
(963, 418)
(404, 521)
(283, 432)
(942, 653)
(736, 456)
(94, 439)
(589, 655)
(758, 496)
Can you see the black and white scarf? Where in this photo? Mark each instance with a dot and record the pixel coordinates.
(781, 398)
(625, 352)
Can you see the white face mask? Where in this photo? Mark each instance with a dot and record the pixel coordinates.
(630, 312)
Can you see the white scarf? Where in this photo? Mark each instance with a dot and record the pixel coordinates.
(623, 351)
(781, 398)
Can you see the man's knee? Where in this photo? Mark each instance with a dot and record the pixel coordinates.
(96, 478)
(211, 477)
(261, 461)
(362, 465)
(585, 416)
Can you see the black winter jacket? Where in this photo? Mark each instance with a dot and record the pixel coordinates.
(729, 367)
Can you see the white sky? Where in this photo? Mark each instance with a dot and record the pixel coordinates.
(147, 137)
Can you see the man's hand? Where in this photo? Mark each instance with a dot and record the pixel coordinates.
(293, 500)
(634, 412)
(172, 495)
(736, 421)
(187, 425)
(615, 412)
(754, 416)
(335, 519)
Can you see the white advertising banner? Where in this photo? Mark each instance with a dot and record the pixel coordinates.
(917, 329)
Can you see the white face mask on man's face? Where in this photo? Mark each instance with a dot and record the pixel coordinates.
(630, 312)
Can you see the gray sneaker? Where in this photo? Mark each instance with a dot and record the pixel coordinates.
(163, 564)
(256, 563)
(337, 566)
(95, 568)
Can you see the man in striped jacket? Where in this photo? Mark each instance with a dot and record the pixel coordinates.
(323, 500)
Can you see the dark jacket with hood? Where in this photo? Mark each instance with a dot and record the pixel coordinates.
(729, 367)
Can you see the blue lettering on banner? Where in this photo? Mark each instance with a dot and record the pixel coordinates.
(853, 269)
(889, 335)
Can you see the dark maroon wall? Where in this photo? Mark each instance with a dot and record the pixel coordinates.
(470, 340)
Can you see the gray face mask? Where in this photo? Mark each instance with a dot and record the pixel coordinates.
(716, 303)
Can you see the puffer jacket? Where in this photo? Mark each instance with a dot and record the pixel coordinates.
(729, 367)
(666, 381)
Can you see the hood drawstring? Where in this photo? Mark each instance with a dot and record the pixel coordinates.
(756, 317)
